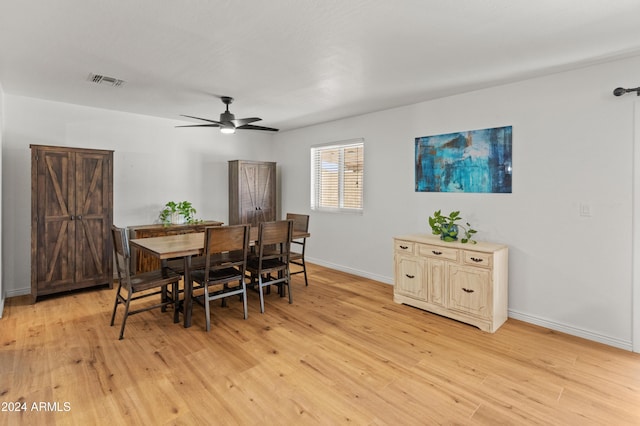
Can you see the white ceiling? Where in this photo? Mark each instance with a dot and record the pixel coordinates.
(297, 62)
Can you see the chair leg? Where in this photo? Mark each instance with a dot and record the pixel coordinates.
(116, 303)
(268, 278)
(244, 298)
(176, 307)
(163, 298)
(288, 282)
(304, 272)
(126, 314)
(261, 295)
(207, 308)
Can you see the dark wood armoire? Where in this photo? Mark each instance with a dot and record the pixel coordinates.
(252, 192)
(71, 216)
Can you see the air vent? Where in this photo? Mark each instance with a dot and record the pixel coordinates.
(103, 79)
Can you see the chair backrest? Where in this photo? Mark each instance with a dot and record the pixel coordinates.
(233, 239)
(222, 239)
(300, 221)
(120, 241)
(276, 234)
(121, 250)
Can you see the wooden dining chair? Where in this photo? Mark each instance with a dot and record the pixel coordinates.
(225, 262)
(269, 265)
(296, 257)
(142, 285)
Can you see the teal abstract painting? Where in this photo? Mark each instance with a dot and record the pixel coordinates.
(470, 161)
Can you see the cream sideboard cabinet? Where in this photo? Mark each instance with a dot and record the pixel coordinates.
(466, 282)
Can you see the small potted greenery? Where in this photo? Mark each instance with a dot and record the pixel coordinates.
(447, 228)
(177, 213)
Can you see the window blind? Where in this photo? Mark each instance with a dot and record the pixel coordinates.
(337, 176)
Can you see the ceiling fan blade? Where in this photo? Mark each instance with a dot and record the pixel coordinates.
(252, 127)
(201, 125)
(203, 119)
(244, 121)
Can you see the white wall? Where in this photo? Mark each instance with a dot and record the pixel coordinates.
(572, 144)
(153, 163)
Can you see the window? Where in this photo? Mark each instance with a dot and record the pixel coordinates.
(337, 172)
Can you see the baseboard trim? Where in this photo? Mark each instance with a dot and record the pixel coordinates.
(574, 331)
(352, 271)
(18, 292)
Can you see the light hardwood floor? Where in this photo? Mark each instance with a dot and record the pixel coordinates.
(342, 353)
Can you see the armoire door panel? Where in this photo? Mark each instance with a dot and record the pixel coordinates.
(90, 209)
(265, 185)
(90, 185)
(56, 191)
(56, 196)
(57, 263)
(90, 256)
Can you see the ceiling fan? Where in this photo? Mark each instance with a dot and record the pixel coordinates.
(228, 122)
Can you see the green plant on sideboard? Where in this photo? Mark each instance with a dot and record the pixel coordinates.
(448, 229)
(178, 213)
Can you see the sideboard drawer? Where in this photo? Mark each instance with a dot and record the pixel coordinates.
(476, 258)
(438, 251)
(404, 246)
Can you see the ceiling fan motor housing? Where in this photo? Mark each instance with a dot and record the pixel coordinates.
(227, 116)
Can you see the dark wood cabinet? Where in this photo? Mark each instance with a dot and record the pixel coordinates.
(143, 262)
(71, 216)
(252, 192)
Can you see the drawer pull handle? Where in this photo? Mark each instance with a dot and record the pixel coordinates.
(404, 247)
(476, 259)
(467, 290)
(437, 253)
(410, 276)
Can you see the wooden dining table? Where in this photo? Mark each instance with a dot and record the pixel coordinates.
(186, 246)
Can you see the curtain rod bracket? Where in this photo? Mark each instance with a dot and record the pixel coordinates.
(621, 91)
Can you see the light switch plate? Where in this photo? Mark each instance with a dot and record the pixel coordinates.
(585, 209)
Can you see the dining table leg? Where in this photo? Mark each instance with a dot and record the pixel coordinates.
(188, 290)
(163, 294)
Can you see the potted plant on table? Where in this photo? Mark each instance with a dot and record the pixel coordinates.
(178, 213)
(447, 228)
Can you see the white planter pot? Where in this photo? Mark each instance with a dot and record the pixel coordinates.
(177, 219)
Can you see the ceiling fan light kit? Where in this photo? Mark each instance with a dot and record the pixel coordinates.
(227, 130)
(228, 122)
